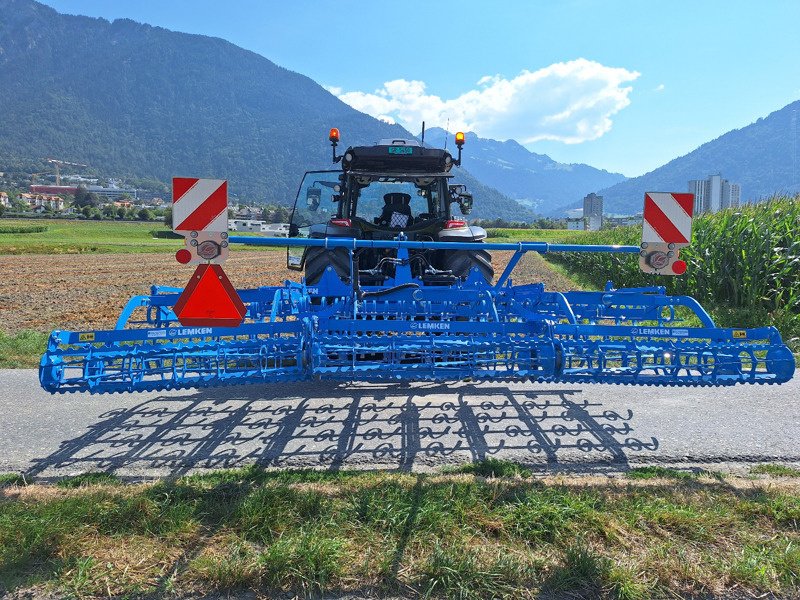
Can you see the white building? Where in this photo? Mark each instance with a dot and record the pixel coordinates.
(714, 194)
(4, 201)
(576, 224)
(256, 226)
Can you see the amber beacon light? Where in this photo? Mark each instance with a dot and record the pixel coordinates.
(334, 135)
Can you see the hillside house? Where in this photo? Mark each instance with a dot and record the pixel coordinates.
(43, 201)
(4, 201)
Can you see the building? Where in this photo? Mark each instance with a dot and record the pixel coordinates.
(4, 201)
(714, 194)
(110, 193)
(43, 201)
(593, 211)
(623, 221)
(576, 224)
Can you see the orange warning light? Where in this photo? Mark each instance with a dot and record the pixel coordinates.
(334, 135)
(209, 300)
(460, 139)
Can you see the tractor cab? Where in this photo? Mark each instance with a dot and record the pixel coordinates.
(394, 188)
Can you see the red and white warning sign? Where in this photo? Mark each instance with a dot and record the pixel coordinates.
(200, 213)
(199, 204)
(666, 228)
(667, 217)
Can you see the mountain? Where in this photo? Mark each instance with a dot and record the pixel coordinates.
(534, 180)
(763, 157)
(132, 100)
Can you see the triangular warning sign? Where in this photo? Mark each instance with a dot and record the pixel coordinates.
(209, 300)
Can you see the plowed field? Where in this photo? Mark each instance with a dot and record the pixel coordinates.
(87, 291)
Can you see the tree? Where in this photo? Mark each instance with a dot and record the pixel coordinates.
(168, 217)
(121, 212)
(109, 211)
(86, 211)
(145, 215)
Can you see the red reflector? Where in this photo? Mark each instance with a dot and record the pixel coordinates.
(183, 256)
(341, 222)
(679, 267)
(454, 224)
(209, 300)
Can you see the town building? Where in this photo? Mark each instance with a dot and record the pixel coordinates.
(593, 211)
(576, 224)
(714, 194)
(4, 201)
(623, 221)
(43, 201)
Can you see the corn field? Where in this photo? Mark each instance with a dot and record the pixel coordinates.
(744, 260)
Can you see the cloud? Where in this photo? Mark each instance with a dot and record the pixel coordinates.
(659, 88)
(570, 102)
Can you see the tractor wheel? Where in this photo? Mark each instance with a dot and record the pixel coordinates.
(460, 262)
(319, 259)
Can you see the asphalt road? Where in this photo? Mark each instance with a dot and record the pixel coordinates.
(593, 428)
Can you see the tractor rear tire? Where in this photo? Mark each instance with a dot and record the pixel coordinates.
(319, 259)
(461, 262)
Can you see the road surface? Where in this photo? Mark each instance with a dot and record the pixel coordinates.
(420, 426)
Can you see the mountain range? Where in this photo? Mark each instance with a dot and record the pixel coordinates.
(533, 180)
(134, 100)
(763, 157)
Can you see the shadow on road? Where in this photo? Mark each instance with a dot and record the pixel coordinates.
(330, 425)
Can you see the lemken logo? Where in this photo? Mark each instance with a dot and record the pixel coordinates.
(431, 326)
(651, 331)
(193, 331)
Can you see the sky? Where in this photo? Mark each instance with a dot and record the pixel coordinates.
(621, 85)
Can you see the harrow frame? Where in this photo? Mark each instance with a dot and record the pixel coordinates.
(408, 330)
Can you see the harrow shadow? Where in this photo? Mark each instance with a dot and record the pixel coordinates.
(333, 426)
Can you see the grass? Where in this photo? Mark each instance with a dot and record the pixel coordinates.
(554, 236)
(775, 470)
(489, 533)
(65, 236)
(22, 350)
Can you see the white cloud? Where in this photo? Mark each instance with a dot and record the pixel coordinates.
(659, 88)
(571, 102)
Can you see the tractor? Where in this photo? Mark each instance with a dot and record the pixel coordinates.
(397, 288)
(397, 187)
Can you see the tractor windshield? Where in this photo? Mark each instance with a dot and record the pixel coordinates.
(317, 202)
(396, 201)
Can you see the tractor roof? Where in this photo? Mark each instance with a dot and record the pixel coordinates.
(397, 156)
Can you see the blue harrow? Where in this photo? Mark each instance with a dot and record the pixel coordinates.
(405, 329)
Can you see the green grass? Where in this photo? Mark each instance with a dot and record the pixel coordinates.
(553, 236)
(22, 350)
(64, 236)
(454, 535)
(775, 470)
(9, 479)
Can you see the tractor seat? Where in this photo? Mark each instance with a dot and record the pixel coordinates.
(396, 211)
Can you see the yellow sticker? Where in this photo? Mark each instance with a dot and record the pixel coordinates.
(739, 334)
(86, 337)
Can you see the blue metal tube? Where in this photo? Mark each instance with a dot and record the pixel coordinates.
(541, 247)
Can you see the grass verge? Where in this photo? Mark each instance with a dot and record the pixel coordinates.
(22, 350)
(492, 533)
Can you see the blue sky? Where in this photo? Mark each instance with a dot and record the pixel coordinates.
(625, 86)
